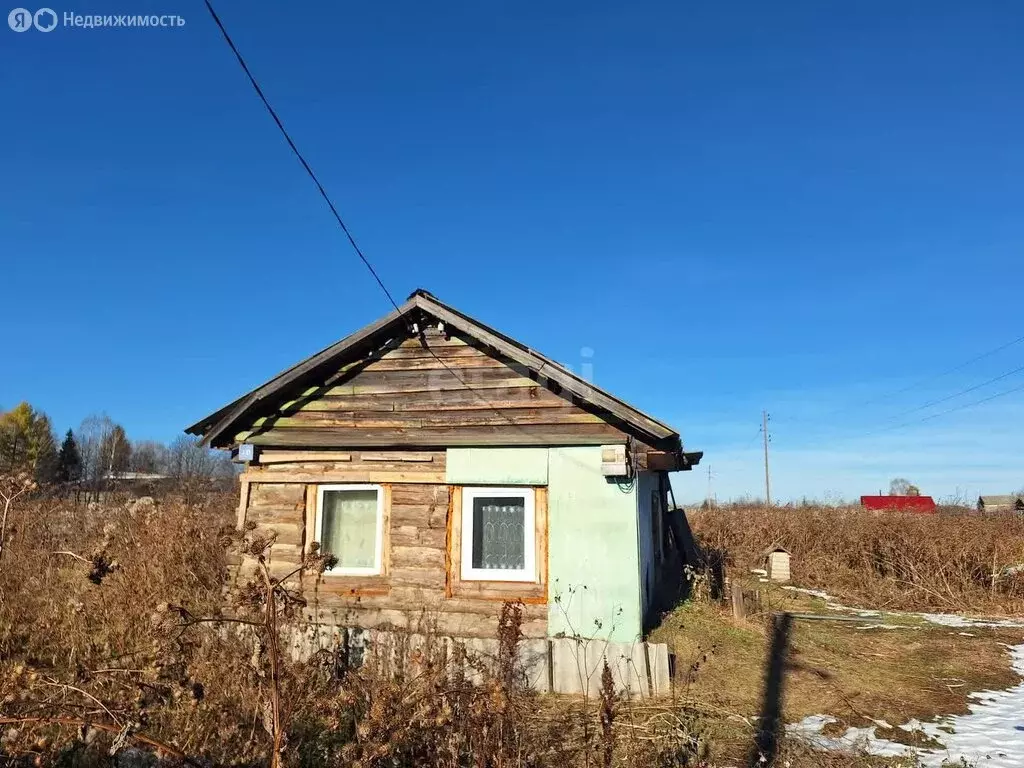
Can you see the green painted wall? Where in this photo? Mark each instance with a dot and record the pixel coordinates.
(497, 466)
(593, 552)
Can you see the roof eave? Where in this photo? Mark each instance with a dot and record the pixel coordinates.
(216, 428)
(236, 410)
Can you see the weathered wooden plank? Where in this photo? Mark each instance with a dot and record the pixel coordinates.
(272, 515)
(243, 504)
(341, 585)
(435, 341)
(265, 492)
(410, 576)
(511, 434)
(353, 468)
(369, 381)
(416, 419)
(431, 401)
(403, 557)
(283, 457)
(428, 517)
(419, 494)
(445, 350)
(501, 591)
(283, 558)
(286, 533)
(349, 476)
(541, 536)
(400, 456)
(385, 562)
(417, 536)
(373, 403)
(400, 380)
(428, 362)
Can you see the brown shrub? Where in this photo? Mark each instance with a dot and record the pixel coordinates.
(925, 562)
(116, 630)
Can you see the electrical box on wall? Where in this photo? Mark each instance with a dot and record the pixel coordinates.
(614, 461)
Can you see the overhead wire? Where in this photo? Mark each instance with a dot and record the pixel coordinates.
(297, 153)
(960, 407)
(929, 379)
(959, 393)
(330, 203)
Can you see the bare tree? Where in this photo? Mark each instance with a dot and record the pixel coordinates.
(899, 486)
(93, 432)
(148, 456)
(187, 459)
(115, 452)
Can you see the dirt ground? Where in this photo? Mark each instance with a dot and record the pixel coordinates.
(890, 668)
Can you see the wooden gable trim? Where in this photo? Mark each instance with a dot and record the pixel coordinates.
(218, 428)
(288, 377)
(546, 368)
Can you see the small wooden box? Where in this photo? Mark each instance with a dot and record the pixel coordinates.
(613, 461)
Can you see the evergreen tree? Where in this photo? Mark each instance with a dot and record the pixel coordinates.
(69, 460)
(15, 428)
(27, 443)
(44, 450)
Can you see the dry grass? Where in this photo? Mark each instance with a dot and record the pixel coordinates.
(119, 627)
(942, 562)
(837, 668)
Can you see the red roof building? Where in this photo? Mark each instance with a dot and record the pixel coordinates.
(924, 505)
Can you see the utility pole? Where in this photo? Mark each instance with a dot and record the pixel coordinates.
(709, 486)
(767, 480)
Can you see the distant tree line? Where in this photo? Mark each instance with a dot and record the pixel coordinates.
(99, 449)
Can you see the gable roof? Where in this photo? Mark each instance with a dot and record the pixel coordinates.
(1002, 500)
(217, 427)
(899, 503)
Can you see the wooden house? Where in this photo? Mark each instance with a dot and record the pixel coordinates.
(1002, 503)
(450, 468)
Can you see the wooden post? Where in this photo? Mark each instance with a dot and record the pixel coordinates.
(767, 480)
(738, 611)
(995, 570)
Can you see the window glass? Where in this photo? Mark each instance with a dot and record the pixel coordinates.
(499, 539)
(349, 527)
(499, 533)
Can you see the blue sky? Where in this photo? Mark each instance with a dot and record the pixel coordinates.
(794, 206)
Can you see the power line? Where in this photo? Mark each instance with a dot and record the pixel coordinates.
(958, 394)
(767, 479)
(334, 210)
(298, 154)
(917, 384)
(961, 407)
(941, 374)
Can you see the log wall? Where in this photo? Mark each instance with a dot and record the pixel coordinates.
(280, 497)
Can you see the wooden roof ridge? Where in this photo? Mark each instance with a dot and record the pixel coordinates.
(216, 424)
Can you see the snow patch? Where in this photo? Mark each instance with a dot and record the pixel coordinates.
(812, 592)
(992, 735)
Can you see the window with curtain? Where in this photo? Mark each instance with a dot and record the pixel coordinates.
(349, 526)
(498, 536)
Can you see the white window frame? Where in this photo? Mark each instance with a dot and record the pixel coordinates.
(340, 570)
(529, 571)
